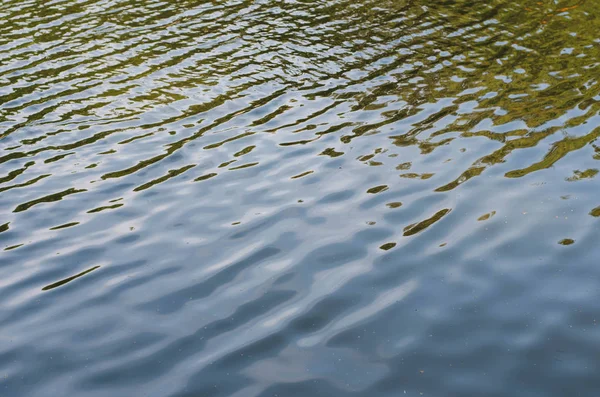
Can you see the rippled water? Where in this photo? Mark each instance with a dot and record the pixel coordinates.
(299, 198)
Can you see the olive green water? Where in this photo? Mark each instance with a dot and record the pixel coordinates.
(299, 198)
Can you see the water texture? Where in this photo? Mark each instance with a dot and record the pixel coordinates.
(299, 198)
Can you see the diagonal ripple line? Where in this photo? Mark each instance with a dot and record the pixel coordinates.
(69, 279)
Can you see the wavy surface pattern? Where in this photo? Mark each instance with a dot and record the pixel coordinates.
(299, 198)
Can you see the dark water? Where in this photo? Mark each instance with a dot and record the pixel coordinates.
(299, 198)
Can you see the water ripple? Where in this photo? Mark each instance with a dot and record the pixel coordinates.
(296, 198)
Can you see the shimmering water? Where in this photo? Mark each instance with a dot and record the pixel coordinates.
(299, 198)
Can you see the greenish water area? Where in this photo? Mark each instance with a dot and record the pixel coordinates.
(299, 198)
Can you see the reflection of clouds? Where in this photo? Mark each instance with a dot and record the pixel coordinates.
(310, 358)
(381, 303)
(345, 368)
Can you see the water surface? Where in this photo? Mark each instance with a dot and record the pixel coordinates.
(299, 198)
